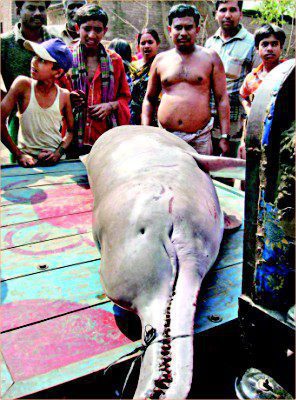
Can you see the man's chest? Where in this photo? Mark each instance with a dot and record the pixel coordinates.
(194, 72)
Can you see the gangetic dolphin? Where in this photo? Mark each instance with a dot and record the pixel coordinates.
(158, 224)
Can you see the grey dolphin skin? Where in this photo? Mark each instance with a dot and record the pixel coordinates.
(158, 224)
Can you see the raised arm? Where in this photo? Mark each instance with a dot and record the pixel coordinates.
(151, 97)
(7, 105)
(221, 100)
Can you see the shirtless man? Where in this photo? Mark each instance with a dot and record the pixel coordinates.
(186, 75)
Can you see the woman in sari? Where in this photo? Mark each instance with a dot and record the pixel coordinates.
(148, 44)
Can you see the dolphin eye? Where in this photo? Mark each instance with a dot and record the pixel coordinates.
(142, 231)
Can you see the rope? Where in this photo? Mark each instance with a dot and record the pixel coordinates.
(149, 336)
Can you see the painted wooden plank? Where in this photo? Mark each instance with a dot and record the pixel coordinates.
(68, 347)
(56, 253)
(230, 189)
(46, 229)
(68, 250)
(60, 341)
(6, 379)
(63, 166)
(219, 296)
(69, 372)
(11, 185)
(231, 249)
(231, 202)
(57, 201)
(45, 295)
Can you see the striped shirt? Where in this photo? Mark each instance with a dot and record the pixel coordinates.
(238, 56)
(252, 81)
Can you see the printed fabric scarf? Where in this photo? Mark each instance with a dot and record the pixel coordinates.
(140, 82)
(80, 82)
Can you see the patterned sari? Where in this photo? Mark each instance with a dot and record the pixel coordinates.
(140, 82)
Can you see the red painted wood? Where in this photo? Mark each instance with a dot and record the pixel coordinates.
(46, 229)
(52, 344)
(57, 201)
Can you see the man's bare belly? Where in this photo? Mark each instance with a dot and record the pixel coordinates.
(186, 111)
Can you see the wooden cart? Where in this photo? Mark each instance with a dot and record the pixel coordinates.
(268, 328)
(57, 324)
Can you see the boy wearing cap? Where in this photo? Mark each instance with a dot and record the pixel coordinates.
(42, 106)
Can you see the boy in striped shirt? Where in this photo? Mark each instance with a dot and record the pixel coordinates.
(269, 42)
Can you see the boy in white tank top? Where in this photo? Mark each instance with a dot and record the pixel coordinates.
(42, 105)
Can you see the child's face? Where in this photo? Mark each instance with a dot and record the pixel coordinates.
(41, 70)
(270, 49)
(91, 33)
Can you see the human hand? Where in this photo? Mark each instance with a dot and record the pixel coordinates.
(43, 154)
(25, 160)
(100, 111)
(224, 147)
(77, 98)
(241, 153)
(49, 157)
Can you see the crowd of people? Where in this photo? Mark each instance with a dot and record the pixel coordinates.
(62, 88)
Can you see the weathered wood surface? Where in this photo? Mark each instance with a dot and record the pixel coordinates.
(57, 323)
(49, 228)
(57, 253)
(11, 184)
(56, 201)
(65, 166)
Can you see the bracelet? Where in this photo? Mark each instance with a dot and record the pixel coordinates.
(225, 136)
(61, 150)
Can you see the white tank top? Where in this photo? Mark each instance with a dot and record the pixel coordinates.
(40, 127)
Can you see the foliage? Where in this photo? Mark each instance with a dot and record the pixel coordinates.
(274, 11)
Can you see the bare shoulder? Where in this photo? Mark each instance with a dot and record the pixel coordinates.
(164, 55)
(64, 92)
(22, 83)
(64, 96)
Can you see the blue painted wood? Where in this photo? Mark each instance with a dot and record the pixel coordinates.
(65, 166)
(56, 253)
(231, 251)
(33, 298)
(47, 229)
(10, 184)
(219, 296)
(6, 379)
